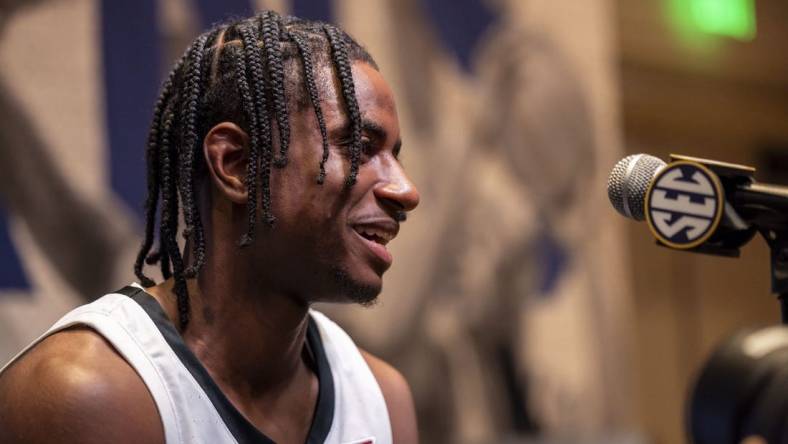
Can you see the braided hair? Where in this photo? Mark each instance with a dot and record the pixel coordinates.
(242, 71)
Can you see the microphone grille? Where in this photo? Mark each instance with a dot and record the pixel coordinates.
(629, 182)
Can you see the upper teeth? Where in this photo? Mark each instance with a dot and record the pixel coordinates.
(382, 235)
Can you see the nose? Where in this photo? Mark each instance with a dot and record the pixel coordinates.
(397, 190)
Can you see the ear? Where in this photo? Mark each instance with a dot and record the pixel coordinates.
(226, 153)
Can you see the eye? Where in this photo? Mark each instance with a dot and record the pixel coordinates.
(367, 147)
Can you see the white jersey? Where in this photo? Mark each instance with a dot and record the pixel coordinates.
(350, 406)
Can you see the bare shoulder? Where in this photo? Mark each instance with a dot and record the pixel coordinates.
(74, 387)
(399, 400)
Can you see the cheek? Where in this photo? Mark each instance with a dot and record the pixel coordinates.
(332, 195)
(298, 200)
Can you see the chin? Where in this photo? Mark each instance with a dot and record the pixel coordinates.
(355, 290)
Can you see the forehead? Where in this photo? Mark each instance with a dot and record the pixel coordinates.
(374, 96)
(372, 89)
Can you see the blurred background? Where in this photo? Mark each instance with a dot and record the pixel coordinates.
(520, 307)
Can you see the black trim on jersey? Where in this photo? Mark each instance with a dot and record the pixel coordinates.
(243, 431)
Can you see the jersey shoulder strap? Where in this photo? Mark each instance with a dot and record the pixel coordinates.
(361, 415)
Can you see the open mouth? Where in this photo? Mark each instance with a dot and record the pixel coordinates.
(375, 235)
(378, 236)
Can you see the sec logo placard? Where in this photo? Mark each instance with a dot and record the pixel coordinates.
(684, 204)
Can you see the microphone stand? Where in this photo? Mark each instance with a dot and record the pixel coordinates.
(751, 207)
(778, 244)
(767, 206)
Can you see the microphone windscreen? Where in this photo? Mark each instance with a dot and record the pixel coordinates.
(629, 182)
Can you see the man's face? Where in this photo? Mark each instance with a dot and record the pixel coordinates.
(329, 241)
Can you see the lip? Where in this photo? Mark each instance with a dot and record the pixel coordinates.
(380, 251)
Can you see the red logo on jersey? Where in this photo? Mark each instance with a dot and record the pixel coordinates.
(364, 441)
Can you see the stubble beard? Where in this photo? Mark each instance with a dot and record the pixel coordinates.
(353, 291)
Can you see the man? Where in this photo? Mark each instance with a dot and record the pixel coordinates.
(269, 118)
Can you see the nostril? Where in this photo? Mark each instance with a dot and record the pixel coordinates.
(394, 207)
(399, 196)
(394, 203)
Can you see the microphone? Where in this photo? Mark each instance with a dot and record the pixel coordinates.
(629, 181)
(697, 204)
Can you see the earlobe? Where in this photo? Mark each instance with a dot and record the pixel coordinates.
(226, 152)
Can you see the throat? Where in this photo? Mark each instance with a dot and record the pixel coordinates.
(283, 412)
(253, 364)
(252, 345)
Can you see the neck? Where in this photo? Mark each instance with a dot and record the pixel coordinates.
(250, 341)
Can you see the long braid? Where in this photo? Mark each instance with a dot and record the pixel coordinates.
(260, 132)
(189, 144)
(339, 51)
(164, 180)
(152, 161)
(271, 32)
(311, 87)
(247, 103)
(169, 226)
(198, 230)
(264, 120)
